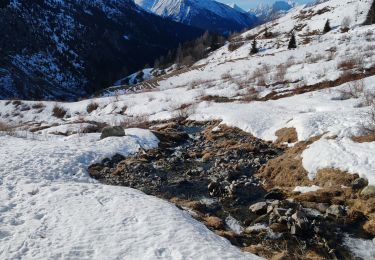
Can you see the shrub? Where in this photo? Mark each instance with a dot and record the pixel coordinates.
(58, 111)
(92, 107)
(140, 121)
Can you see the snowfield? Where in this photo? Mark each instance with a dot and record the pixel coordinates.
(51, 209)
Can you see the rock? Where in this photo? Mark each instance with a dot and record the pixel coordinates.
(214, 222)
(259, 208)
(278, 227)
(369, 191)
(359, 183)
(95, 170)
(336, 211)
(300, 219)
(373, 240)
(274, 195)
(109, 131)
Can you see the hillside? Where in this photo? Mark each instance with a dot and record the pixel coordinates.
(271, 151)
(67, 50)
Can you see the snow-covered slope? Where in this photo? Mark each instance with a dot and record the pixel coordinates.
(206, 14)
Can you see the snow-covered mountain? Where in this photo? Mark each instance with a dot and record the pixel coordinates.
(267, 12)
(68, 49)
(206, 14)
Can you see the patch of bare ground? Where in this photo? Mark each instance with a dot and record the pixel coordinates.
(364, 138)
(287, 170)
(286, 135)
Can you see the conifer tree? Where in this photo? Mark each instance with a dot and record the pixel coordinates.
(254, 48)
(292, 42)
(327, 27)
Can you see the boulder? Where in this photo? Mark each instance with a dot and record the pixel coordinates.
(259, 208)
(336, 211)
(214, 222)
(359, 183)
(109, 131)
(278, 227)
(369, 191)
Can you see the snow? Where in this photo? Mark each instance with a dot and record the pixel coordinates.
(362, 248)
(306, 189)
(343, 154)
(51, 209)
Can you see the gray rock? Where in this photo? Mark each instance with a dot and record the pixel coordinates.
(259, 208)
(369, 191)
(359, 183)
(109, 131)
(373, 240)
(336, 210)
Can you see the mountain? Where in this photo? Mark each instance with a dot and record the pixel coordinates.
(205, 14)
(237, 8)
(68, 49)
(267, 12)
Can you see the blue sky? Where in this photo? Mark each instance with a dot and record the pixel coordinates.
(247, 4)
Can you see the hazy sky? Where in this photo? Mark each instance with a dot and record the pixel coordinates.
(247, 4)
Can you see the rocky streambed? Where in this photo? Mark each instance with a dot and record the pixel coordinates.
(210, 171)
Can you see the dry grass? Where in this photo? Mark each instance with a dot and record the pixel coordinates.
(286, 135)
(58, 111)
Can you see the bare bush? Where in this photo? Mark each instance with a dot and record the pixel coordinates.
(7, 129)
(251, 95)
(345, 24)
(354, 90)
(38, 105)
(139, 121)
(58, 111)
(185, 110)
(234, 46)
(92, 107)
(281, 70)
(348, 64)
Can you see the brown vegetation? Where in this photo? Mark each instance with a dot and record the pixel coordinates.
(286, 135)
(92, 107)
(58, 111)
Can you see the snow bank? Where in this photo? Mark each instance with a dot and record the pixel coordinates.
(306, 189)
(343, 154)
(51, 209)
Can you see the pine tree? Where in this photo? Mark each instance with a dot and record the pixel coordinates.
(292, 42)
(254, 48)
(327, 27)
(371, 15)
